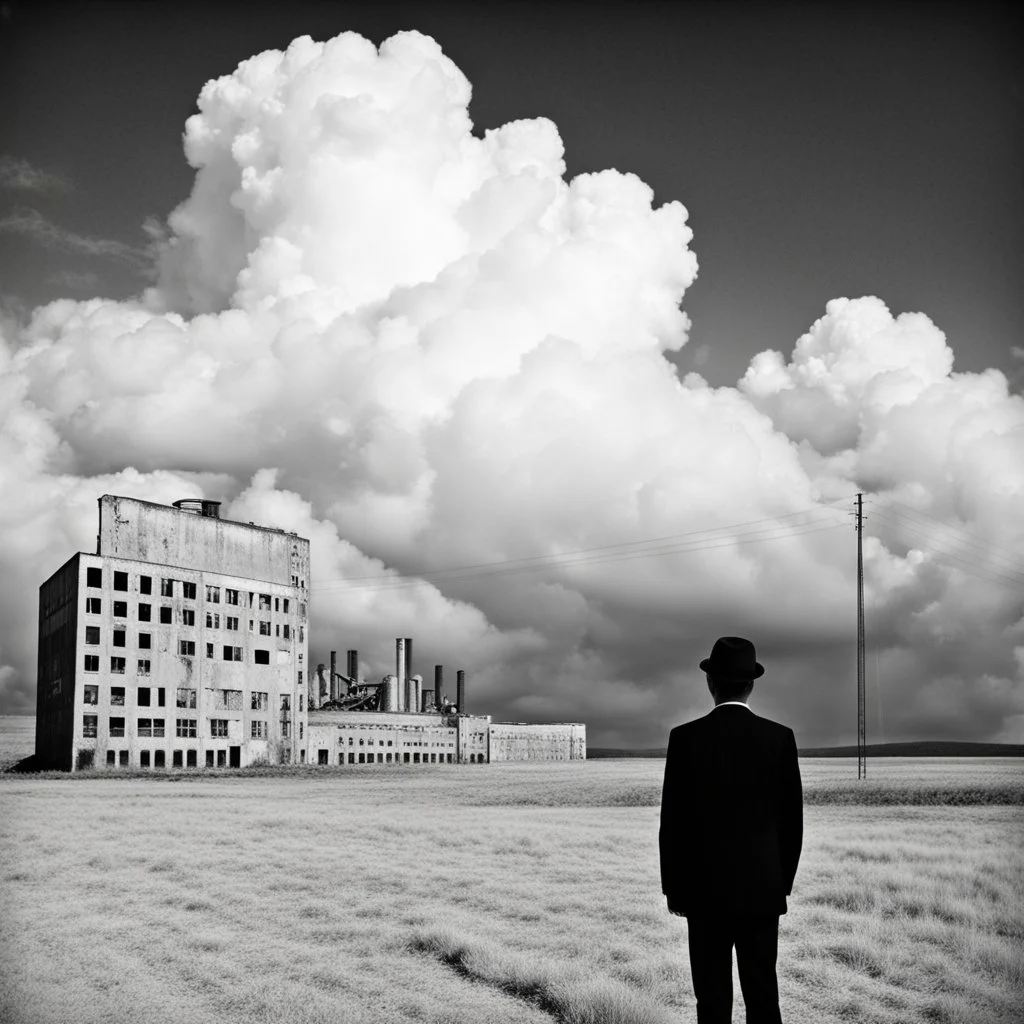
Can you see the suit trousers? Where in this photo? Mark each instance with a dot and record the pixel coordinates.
(756, 938)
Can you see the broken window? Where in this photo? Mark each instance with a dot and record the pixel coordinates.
(185, 728)
(209, 759)
(142, 696)
(188, 591)
(264, 627)
(120, 609)
(222, 758)
(145, 641)
(302, 634)
(213, 594)
(165, 615)
(286, 702)
(230, 622)
(117, 727)
(143, 668)
(93, 605)
(94, 576)
(188, 617)
(218, 727)
(186, 698)
(119, 635)
(145, 727)
(285, 728)
(120, 580)
(230, 596)
(92, 663)
(257, 730)
(90, 694)
(145, 612)
(284, 605)
(286, 631)
(228, 700)
(209, 650)
(261, 657)
(117, 666)
(145, 584)
(264, 602)
(187, 648)
(92, 634)
(232, 653)
(166, 588)
(122, 757)
(213, 620)
(89, 727)
(117, 696)
(259, 701)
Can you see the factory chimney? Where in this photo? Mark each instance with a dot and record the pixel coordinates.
(332, 681)
(438, 683)
(460, 699)
(352, 670)
(400, 672)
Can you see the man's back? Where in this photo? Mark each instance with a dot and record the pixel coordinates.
(731, 814)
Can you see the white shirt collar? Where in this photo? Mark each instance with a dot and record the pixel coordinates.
(724, 702)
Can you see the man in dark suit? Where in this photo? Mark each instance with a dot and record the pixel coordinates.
(731, 831)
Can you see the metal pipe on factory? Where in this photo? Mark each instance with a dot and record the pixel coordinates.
(460, 698)
(408, 658)
(332, 683)
(438, 683)
(400, 671)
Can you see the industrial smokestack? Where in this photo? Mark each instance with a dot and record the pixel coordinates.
(438, 683)
(417, 692)
(391, 693)
(408, 656)
(460, 699)
(400, 672)
(353, 666)
(333, 681)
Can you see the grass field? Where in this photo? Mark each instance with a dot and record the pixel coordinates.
(502, 893)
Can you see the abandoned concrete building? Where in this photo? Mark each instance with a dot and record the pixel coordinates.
(183, 642)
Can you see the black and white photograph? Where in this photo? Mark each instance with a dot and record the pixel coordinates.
(511, 513)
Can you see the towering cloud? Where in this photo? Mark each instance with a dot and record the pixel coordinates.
(445, 364)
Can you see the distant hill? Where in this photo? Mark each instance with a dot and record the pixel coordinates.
(921, 748)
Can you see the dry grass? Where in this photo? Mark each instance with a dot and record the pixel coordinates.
(503, 893)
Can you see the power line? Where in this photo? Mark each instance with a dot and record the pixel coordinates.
(672, 544)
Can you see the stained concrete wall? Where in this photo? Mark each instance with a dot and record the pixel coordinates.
(522, 742)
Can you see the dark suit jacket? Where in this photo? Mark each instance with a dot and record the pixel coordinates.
(731, 814)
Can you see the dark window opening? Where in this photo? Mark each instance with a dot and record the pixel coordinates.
(322, 756)
(143, 697)
(122, 758)
(143, 758)
(209, 759)
(176, 759)
(94, 577)
(188, 591)
(190, 759)
(145, 584)
(110, 758)
(120, 580)
(89, 727)
(117, 729)
(145, 612)
(92, 634)
(165, 615)
(119, 636)
(145, 641)
(261, 657)
(159, 759)
(117, 696)
(120, 609)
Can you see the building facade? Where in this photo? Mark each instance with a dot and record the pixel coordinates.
(183, 641)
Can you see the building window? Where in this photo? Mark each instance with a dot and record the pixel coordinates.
(117, 666)
(209, 650)
(92, 634)
(93, 605)
(145, 584)
(295, 580)
(301, 701)
(229, 700)
(165, 615)
(145, 612)
(264, 627)
(302, 730)
(277, 629)
(110, 758)
(159, 759)
(277, 604)
(143, 758)
(302, 609)
(89, 726)
(117, 727)
(230, 596)
(120, 580)
(362, 759)
(145, 727)
(120, 609)
(145, 641)
(176, 759)
(142, 696)
(286, 632)
(213, 620)
(122, 757)
(213, 594)
(285, 729)
(230, 622)
(286, 702)
(186, 698)
(302, 634)
(251, 625)
(218, 727)
(351, 758)
(119, 635)
(185, 728)
(264, 602)
(188, 591)
(257, 730)
(261, 657)
(187, 648)
(284, 605)
(166, 588)
(92, 663)
(259, 701)
(94, 576)
(222, 758)
(161, 696)
(117, 696)
(300, 677)
(232, 653)
(143, 668)
(90, 694)
(190, 759)
(188, 617)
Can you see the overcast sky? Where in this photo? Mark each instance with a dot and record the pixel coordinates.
(530, 292)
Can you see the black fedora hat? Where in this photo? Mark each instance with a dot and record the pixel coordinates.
(732, 660)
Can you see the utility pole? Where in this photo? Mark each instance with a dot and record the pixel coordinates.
(862, 747)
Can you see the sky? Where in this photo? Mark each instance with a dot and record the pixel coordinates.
(566, 336)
